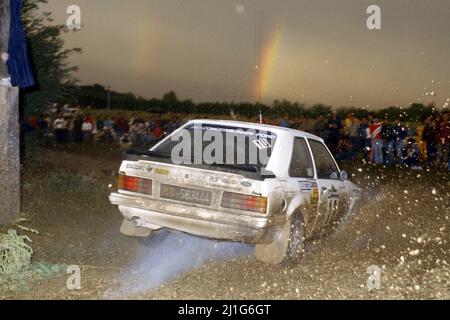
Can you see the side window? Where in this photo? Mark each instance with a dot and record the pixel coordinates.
(301, 164)
(325, 165)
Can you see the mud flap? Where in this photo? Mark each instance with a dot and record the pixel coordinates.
(127, 228)
(275, 252)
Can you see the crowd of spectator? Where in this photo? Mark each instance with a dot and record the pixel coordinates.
(84, 129)
(378, 141)
(381, 141)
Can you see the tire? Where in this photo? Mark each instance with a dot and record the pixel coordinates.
(296, 241)
(288, 244)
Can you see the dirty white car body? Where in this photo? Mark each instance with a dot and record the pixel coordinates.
(299, 194)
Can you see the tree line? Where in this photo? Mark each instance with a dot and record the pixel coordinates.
(96, 96)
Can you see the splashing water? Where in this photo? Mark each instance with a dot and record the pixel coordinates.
(167, 254)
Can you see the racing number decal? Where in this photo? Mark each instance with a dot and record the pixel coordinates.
(331, 209)
(332, 205)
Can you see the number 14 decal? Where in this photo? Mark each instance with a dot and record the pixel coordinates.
(332, 208)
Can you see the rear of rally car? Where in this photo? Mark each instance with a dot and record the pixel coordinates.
(215, 200)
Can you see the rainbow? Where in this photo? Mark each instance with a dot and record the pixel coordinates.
(146, 38)
(267, 62)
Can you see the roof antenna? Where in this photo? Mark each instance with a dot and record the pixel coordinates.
(257, 61)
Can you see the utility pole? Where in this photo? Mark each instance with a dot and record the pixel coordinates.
(9, 130)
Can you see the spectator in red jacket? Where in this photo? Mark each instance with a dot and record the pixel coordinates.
(120, 125)
(377, 141)
(157, 131)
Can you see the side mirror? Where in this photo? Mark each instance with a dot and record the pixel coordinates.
(344, 176)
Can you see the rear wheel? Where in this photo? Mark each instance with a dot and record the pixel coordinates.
(296, 240)
(288, 244)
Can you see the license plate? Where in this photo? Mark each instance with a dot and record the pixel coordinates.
(185, 194)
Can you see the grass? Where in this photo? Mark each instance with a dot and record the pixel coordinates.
(94, 150)
(46, 191)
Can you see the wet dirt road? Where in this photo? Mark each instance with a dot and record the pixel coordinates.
(403, 230)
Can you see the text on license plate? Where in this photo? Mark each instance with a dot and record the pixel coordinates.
(185, 194)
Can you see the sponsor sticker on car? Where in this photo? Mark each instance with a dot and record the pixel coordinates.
(304, 185)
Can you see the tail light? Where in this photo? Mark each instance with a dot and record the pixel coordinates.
(134, 184)
(244, 202)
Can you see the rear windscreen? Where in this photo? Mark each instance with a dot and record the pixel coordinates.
(218, 144)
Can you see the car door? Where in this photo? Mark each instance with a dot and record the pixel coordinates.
(332, 191)
(302, 183)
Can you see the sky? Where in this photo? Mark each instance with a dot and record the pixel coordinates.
(310, 51)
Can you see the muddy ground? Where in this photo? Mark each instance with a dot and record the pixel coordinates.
(403, 229)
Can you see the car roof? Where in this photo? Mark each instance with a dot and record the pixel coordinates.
(259, 126)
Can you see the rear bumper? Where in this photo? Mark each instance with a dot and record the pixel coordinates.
(194, 220)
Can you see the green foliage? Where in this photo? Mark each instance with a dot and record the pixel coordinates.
(15, 253)
(27, 279)
(418, 112)
(49, 58)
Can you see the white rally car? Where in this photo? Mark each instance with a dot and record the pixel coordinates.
(297, 193)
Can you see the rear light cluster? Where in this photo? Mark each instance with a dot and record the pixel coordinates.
(134, 184)
(244, 202)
